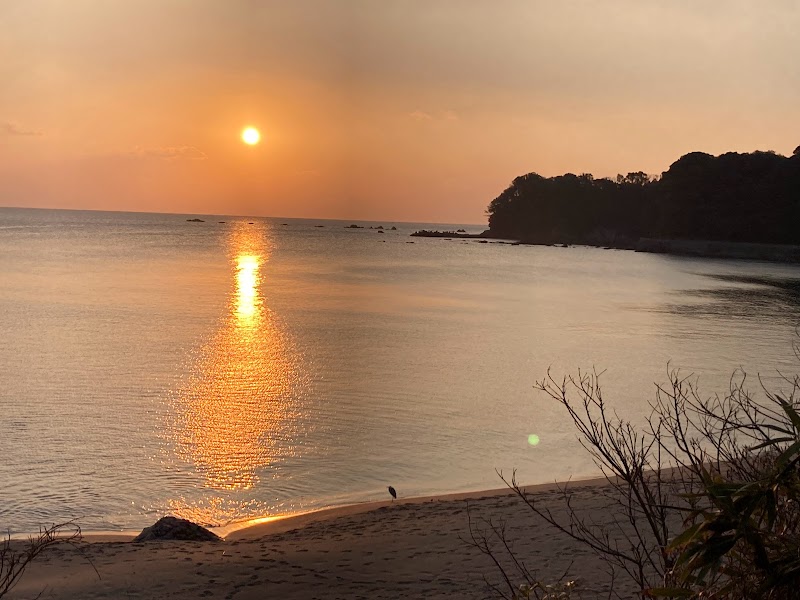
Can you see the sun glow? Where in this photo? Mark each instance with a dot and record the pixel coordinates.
(251, 136)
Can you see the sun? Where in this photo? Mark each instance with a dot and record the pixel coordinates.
(251, 136)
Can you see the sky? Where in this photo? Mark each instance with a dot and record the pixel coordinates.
(410, 110)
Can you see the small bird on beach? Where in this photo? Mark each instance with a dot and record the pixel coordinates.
(392, 492)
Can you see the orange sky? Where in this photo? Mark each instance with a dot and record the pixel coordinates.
(417, 110)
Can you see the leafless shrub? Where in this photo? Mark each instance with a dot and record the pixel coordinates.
(706, 491)
(17, 556)
(490, 538)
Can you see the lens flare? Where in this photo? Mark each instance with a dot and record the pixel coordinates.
(533, 439)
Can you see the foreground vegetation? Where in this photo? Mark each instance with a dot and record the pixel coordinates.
(707, 493)
(17, 556)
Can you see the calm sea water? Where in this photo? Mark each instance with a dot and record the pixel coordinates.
(256, 367)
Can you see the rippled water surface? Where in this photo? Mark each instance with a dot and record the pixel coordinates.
(226, 371)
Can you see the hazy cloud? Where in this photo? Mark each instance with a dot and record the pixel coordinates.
(170, 153)
(446, 115)
(14, 128)
(419, 115)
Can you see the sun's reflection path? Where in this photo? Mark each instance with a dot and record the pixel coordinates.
(247, 280)
(239, 414)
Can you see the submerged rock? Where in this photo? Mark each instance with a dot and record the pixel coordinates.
(173, 528)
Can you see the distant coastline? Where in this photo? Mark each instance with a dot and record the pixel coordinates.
(734, 205)
(785, 253)
(728, 206)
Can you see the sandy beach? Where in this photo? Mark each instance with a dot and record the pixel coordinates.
(411, 548)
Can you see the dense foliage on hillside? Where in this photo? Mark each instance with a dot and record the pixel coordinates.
(732, 197)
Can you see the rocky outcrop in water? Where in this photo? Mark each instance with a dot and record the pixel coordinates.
(450, 234)
(173, 528)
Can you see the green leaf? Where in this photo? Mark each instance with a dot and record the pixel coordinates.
(717, 548)
(791, 413)
(788, 454)
(686, 536)
(774, 442)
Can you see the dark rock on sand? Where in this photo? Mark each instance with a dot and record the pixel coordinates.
(172, 528)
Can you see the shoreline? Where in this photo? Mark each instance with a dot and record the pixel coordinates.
(719, 249)
(269, 525)
(255, 529)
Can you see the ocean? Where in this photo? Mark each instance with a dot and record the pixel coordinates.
(238, 368)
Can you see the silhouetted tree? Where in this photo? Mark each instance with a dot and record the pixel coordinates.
(736, 197)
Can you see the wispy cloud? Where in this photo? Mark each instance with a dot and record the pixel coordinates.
(170, 153)
(419, 115)
(445, 115)
(450, 115)
(14, 128)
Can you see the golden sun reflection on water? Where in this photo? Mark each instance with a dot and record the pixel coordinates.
(238, 413)
(247, 280)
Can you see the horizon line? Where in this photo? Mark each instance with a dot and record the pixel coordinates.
(239, 216)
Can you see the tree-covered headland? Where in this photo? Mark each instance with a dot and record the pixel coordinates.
(752, 197)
